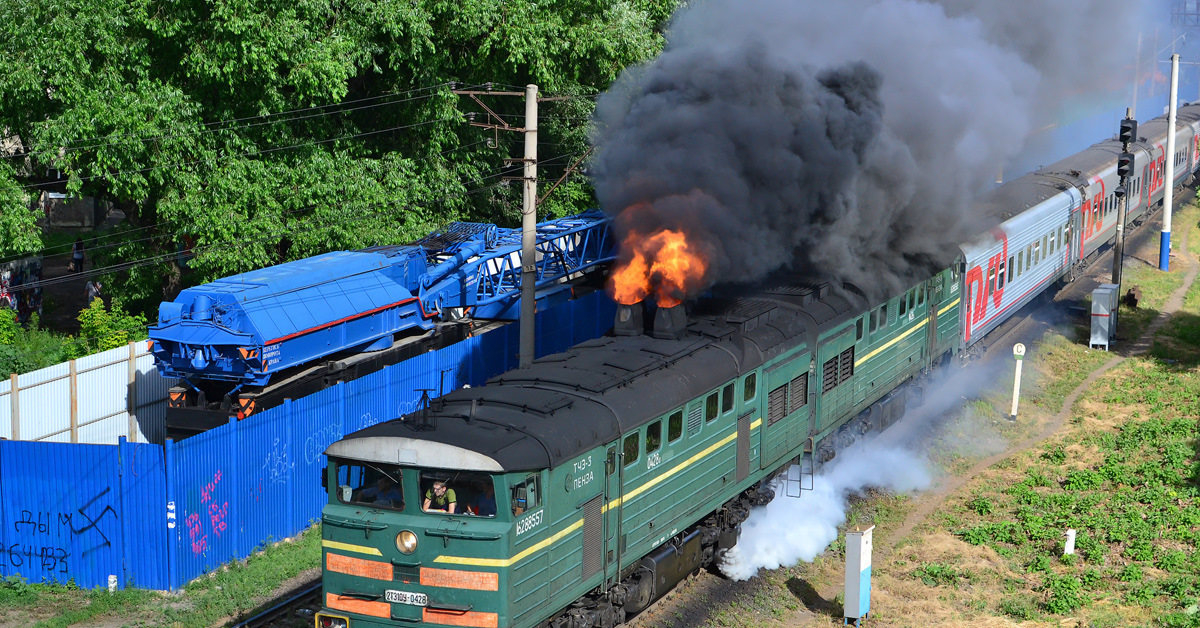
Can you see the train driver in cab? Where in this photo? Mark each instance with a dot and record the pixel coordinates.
(440, 498)
(386, 492)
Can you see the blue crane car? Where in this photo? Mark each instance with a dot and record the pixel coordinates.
(236, 342)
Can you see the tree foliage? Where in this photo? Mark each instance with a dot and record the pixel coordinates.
(249, 132)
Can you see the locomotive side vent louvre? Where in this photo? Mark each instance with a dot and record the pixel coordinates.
(777, 404)
(829, 374)
(593, 536)
(847, 369)
(743, 446)
(695, 417)
(799, 395)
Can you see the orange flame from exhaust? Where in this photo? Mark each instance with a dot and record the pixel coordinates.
(663, 263)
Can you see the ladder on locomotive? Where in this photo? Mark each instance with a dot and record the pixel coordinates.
(800, 476)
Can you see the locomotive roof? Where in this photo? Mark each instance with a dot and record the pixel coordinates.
(567, 403)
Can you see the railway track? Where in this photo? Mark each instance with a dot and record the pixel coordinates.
(294, 609)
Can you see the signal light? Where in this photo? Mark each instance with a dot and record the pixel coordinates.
(1120, 191)
(1128, 131)
(1125, 165)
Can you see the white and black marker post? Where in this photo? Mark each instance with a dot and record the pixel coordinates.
(1019, 354)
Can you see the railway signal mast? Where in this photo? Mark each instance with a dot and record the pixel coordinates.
(1125, 163)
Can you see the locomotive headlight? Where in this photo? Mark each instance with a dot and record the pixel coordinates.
(406, 542)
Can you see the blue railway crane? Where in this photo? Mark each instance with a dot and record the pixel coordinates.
(249, 331)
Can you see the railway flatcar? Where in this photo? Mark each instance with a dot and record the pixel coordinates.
(243, 343)
(577, 491)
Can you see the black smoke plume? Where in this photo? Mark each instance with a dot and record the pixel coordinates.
(840, 140)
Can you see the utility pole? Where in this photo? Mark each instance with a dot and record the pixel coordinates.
(529, 229)
(528, 204)
(1164, 245)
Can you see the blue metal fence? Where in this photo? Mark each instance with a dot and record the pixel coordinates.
(88, 513)
(156, 516)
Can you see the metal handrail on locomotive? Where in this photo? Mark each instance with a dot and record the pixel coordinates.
(589, 484)
(233, 340)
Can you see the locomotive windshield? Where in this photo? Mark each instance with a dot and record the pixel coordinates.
(379, 486)
(406, 489)
(458, 492)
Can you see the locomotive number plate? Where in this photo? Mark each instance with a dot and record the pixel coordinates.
(406, 597)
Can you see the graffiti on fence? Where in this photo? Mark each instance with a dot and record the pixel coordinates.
(277, 465)
(210, 518)
(45, 539)
(367, 420)
(316, 443)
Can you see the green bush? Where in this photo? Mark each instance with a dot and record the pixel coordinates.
(981, 506)
(1083, 480)
(30, 348)
(937, 574)
(1000, 532)
(1131, 573)
(101, 328)
(1173, 560)
(1041, 563)
(1055, 454)
(1020, 607)
(1066, 593)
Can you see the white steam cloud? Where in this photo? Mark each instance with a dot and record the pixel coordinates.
(789, 530)
(794, 529)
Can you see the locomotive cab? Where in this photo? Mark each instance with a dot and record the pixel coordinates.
(420, 545)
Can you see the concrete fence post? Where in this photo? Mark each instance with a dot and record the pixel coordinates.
(74, 383)
(132, 393)
(15, 406)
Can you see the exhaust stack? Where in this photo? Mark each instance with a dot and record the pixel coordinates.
(670, 323)
(629, 320)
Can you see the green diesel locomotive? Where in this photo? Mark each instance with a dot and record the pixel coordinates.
(577, 491)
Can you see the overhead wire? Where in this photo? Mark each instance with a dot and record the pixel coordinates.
(247, 154)
(260, 120)
(252, 153)
(89, 246)
(163, 257)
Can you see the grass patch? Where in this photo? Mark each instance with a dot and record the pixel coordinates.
(210, 600)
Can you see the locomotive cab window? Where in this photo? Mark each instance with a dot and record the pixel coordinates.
(749, 389)
(526, 495)
(675, 426)
(727, 398)
(710, 407)
(457, 493)
(653, 437)
(372, 485)
(632, 448)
